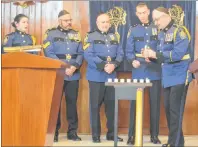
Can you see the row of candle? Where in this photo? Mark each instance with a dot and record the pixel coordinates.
(129, 80)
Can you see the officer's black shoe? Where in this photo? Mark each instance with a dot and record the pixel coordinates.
(155, 140)
(167, 145)
(73, 136)
(131, 140)
(96, 139)
(56, 138)
(112, 138)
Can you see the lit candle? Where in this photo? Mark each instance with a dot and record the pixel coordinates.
(134, 80)
(147, 80)
(141, 80)
(109, 80)
(115, 80)
(122, 80)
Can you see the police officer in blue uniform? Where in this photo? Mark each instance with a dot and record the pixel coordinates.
(64, 43)
(173, 55)
(103, 54)
(144, 35)
(20, 37)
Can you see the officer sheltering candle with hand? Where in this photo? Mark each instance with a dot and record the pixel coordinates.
(173, 56)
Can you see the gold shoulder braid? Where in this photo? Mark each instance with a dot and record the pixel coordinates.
(86, 44)
(177, 14)
(183, 33)
(33, 40)
(46, 33)
(5, 40)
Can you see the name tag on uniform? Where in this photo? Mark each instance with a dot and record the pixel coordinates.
(169, 37)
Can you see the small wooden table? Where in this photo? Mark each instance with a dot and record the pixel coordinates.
(130, 91)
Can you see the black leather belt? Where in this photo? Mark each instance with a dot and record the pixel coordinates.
(108, 58)
(66, 56)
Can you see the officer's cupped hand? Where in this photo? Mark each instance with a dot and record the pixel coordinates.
(136, 63)
(147, 60)
(145, 52)
(148, 53)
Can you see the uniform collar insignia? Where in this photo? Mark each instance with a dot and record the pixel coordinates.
(22, 33)
(168, 26)
(145, 24)
(104, 33)
(62, 30)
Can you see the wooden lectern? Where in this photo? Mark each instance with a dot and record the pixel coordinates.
(31, 94)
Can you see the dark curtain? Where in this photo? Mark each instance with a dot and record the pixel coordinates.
(96, 7)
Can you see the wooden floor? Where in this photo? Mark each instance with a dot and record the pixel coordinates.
(87, 141)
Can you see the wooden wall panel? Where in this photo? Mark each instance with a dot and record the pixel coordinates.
(44, 16)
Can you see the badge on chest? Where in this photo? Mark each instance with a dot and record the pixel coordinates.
(112, 37)
(75, 37)
(169, 37)
(154, 31)
(71, 36)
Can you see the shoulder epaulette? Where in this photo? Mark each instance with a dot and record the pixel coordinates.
(180, 29)
(48, 30)
(134, 25)
(75, 30)
(33, 40)
(10, 34)
(130, 29)
(91, 32)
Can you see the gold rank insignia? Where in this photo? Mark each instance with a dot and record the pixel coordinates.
(108, 59)
(68, 56)
(46, 45)
(5, 40)
(86, 44)
(112, 37)
(182, 34)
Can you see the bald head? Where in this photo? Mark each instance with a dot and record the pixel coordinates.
(103, 22)
(161, 17)
(102, 16)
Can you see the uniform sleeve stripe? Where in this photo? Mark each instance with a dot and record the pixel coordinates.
(46, 45)
(86, 46)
